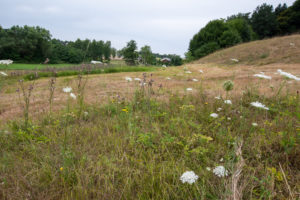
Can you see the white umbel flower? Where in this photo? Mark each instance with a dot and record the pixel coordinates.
(208, 169)
(195, 80)
(254, 124)
(201, 71)
(219, 109)
(259, 105)
(228, 101)
(189, 89)
(263, 76)
(220, 171)
(168, 78)
(214, 115)
(128, 79)
(67, 89)
(218, 97)
(73, 95)
(137, 79)
(189, 177)
(286, 74)
(3, 73)
(188, 72)
(234, 60)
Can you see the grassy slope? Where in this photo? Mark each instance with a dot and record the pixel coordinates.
(275, 50)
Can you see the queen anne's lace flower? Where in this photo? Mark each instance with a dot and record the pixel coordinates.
(220, 171)
(3, 73)
(195, 80)
(254, 124)
(262, 76)
(137, 79)
(73, 95)
(219, 109)
(128, 79)
(189, 89)
(188, 177)
(286, 74)
(259, 105)
(214, 115)
(228, 102)
(67, 89)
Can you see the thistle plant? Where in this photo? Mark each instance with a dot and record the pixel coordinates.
(228, 86)
(26, 94)
(51, 93)
(80, 89)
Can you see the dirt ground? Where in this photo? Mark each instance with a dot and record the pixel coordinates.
(102, 87)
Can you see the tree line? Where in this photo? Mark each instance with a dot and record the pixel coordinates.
(35, 44)
(264, 22)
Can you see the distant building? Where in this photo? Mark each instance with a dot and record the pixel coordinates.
(165, 60)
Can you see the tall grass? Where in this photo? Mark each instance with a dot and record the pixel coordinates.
(138, 149)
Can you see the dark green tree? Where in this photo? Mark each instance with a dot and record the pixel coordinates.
(206, 40)
(241, 26)
(229, 38)
(289, 19)
(130, 53)
(264, 21)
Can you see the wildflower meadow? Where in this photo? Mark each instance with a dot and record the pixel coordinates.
(188, 145)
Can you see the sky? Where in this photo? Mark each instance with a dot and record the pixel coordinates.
(165, 25)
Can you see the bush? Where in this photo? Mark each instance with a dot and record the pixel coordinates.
(206, 49)
(230, 38)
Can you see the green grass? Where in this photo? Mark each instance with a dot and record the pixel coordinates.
(138, 149)
(108, 70)
(20, 66)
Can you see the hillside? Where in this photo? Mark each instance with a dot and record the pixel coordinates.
(276, 50)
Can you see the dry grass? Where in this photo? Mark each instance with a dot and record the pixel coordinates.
(105, 86)
(262, 52)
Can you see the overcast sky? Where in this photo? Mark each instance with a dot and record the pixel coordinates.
(166, 25)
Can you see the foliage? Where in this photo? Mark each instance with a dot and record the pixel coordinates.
(130, 53)
(147, 57)
(229, 38)
(264, 21)
(27, 44)
(242, 27)
(34, 45)
(288, 19)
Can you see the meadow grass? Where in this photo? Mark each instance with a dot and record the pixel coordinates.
(139, 148)
(22, 66)
(107, 70)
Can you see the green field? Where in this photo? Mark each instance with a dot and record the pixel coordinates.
(21, 66)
